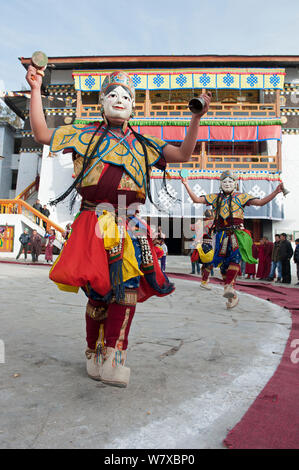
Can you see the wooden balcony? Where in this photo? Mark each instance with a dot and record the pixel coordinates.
(216, 110)
(221, 110)
(232, 162)
(180, 110)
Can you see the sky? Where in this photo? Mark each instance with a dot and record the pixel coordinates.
(152, 27)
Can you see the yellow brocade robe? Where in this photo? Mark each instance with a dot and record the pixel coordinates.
(125, 152)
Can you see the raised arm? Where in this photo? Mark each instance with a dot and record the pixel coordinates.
(42, 134)
(183, 153)
(197, 199)
(265, 200)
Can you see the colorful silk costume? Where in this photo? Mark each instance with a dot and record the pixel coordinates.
(109, 253)
(232, 244)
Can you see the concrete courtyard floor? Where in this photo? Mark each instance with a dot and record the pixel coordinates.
(195, 367)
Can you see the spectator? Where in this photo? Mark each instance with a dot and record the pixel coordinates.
(45, 211)
(250, 268)
(158, 240)
(67, 232)
(275, 263)
(36, 245)
(243, 268)
(160, 237)
(50, 236)
(24, 239)
(285, 254)
(194, 256)
(163, 259)
(296, 259)
(264, 255)
(38, 207)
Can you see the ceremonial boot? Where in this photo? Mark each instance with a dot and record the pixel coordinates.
(93, 364)
(232, 302)
(229, 291)
(205, 285)
(113, 371)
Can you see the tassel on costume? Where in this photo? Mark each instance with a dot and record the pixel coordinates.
(116, 279)
(147, 267)
(165, 289)
(115, 268)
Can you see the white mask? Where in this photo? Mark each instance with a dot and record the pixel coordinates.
(118, 104)
(228, 184)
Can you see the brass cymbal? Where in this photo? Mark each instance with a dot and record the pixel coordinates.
(39, 59)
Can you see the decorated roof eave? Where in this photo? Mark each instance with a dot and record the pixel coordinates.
(189, 78)
(211, 59)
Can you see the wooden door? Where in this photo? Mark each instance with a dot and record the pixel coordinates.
(6, 238)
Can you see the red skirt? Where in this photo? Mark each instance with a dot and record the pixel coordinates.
(84, 261)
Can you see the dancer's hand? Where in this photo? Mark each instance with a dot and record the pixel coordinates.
(184, 181)
(279, 188)
(207, 98)
(34, 77)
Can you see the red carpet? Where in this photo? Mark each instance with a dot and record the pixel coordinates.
(272, 421)
(24, 263)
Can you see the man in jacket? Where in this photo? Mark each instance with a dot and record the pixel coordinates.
(275, 261)
(36, 245)
(38, 207)
(24, 240)
(45, 211)
(285, 254)
(296, 259)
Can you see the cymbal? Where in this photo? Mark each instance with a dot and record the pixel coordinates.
(39, 59)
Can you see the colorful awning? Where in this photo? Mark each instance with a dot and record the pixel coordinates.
(176, 79)
(214, 133)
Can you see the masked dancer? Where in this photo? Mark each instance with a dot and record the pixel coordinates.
(109, 253)
(232, 242)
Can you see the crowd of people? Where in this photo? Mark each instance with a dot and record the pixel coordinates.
(34, 243)
(274, 260)
(43, 210)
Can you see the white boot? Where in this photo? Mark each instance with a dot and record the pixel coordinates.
(113, 371)
(93, 366)
(229, 291)
(205, 285)
(232, 302)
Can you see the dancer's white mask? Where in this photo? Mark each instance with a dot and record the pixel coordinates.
(228, 185)
(118, 104)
